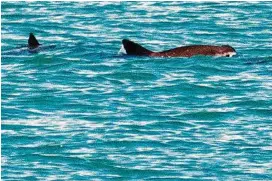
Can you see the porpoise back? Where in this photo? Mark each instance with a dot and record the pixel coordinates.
(132, 48)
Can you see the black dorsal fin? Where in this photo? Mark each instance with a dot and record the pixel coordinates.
(133, 48)
(32, 41)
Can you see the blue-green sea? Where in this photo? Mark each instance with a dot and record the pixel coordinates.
(81, 111)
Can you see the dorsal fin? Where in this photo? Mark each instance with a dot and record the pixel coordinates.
(133, 48)
(32, 41)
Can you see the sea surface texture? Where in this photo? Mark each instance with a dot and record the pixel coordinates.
(81, 111)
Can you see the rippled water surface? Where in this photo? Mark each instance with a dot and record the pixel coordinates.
(80, 111)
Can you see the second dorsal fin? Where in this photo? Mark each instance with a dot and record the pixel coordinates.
(32, 41)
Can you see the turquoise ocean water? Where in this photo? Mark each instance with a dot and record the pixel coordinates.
(80, 111)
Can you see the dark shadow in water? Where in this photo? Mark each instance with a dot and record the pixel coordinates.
(46, 62)
(24, 50)
(258, 60)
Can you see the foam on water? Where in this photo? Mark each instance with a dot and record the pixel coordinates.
(122, 50)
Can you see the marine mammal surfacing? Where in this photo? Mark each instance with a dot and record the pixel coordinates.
(34, 46)
(132, 48)
(32, 41)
